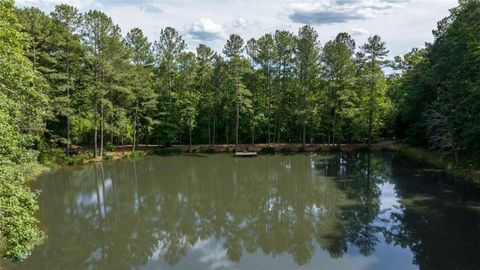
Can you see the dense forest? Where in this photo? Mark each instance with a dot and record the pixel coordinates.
(70, 79)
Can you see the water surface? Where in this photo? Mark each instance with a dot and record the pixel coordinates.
(344, 212)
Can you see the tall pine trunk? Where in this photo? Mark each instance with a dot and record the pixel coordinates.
(371, 105)
(190, 139)
(68, 100)
(135, 129)
(213, 131)
(238, 119)
(101, 130)
(95, 128)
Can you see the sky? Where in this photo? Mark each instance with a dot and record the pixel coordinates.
(402, 24)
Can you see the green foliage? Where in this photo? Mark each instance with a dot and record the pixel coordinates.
(364, 148)
(440, 87)
(18, 226)
(335, 148)
(207, 150)
(267, 151)
(109, 158)
(137, 154)
(52, 157)
(23, 105)
(108, 146)
(167, 151)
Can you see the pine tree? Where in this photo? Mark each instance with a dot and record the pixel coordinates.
(307, 57)
(374, 52)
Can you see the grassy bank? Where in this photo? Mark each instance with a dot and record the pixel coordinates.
(464, 168)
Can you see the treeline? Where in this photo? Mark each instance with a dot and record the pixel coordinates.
(108, 89)
(438, 93)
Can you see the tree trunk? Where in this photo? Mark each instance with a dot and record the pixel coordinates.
(190, 139)
(238, 122)
(370, 116)
(226, 130)
(68, 100)
(304, 135)
(95, 130)
(268, 107)
(213, 131)
(135, 129)
(209, 132)
(123, 145)
(101, 130)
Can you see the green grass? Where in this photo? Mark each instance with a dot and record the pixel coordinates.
(464, 168)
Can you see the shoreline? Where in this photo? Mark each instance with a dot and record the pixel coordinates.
(469, 175)
(261, 148)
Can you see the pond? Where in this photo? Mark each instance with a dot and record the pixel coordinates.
(338, 211)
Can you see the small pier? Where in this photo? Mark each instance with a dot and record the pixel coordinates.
(246, 154)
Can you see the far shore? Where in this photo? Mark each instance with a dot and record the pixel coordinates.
(127, 150)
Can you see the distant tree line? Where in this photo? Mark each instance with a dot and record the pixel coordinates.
(107, 89)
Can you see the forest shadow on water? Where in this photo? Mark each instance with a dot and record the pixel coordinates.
(338, 211)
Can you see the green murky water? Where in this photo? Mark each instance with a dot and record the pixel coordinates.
(271, 212)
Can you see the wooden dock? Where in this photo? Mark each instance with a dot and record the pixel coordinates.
(245, 154)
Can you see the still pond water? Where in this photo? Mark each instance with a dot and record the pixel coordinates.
(271, 212)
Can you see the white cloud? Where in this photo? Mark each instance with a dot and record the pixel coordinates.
(359, 32)
(151, 8)
(340, 11)
(240, 22)
(403, 24)
(50, 4)
(206, 30)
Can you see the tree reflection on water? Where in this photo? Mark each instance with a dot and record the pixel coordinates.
(124, 214)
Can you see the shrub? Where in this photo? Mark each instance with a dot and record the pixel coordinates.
(109, 146)
(208, 150)
(108, 158)
(301, 149)
(136, 154)
(285, 151)
(267, 151)
(166, 151)
(335, 148)
(52, 157)
(363, 148)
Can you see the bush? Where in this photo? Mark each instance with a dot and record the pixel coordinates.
(19, 232)
(136, 154)
(167, 151)
(285, 151)
(108, 146)
(335, 148)
(209, 150)
(267, 151)
(301, 149)
(108, 158)
(363, 148)
(52, 157)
